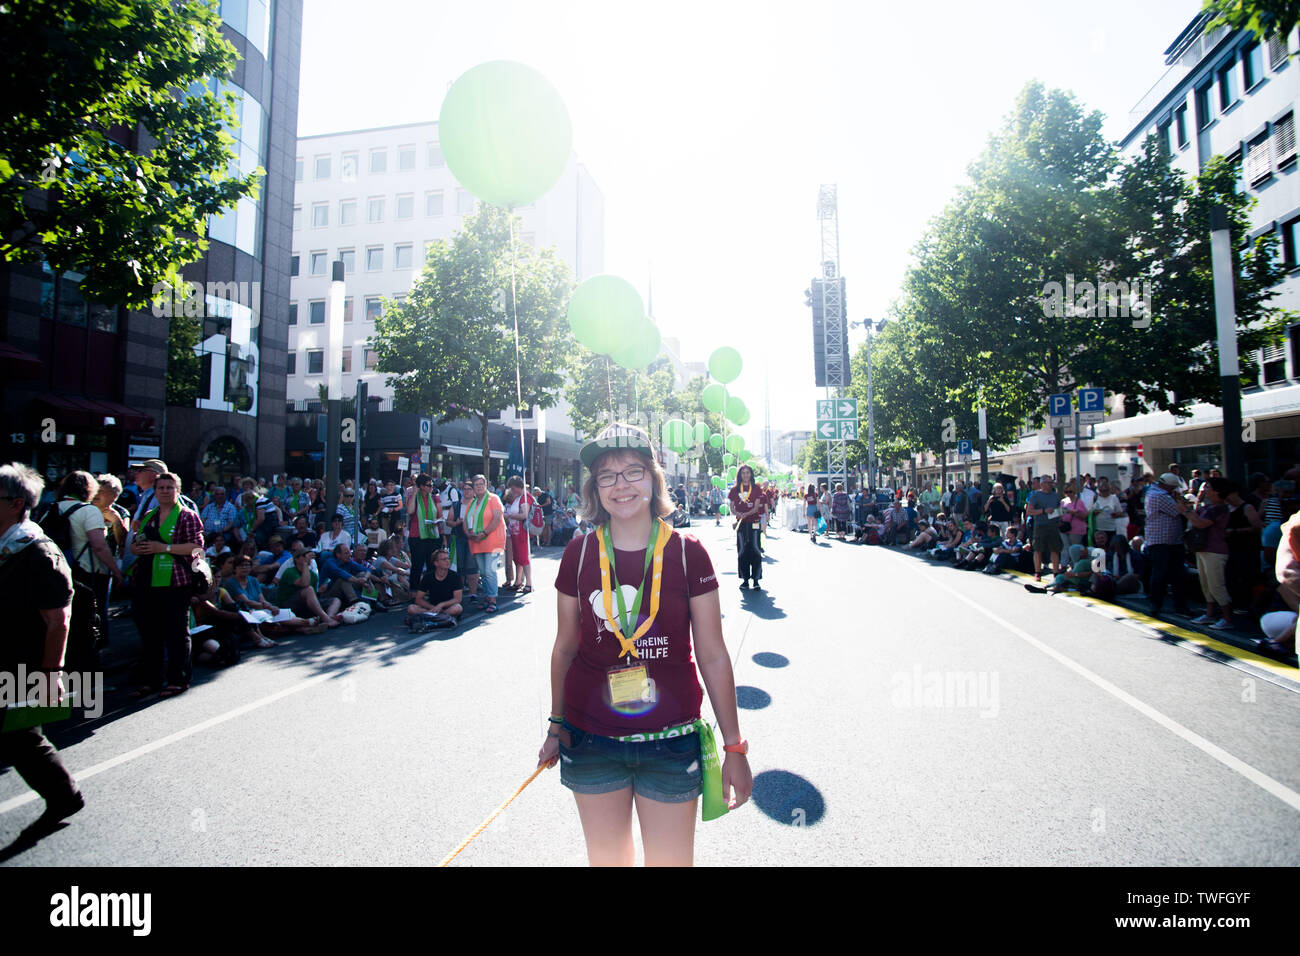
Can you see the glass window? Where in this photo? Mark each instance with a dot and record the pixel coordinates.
(374, 258)
(435, 156)
(402, 256)
(1252, 65)
(433, 203)
(348, 166)
(347, 309)
(405, 206)
(315, 361)
(1180, 125)
(319, 260)
(1291, 242)
(293, 266)
(320, 215)
(374, 306)
(1273, 360)
(372, 360)
(317, 312)
(297, 170)
(347, 212)
(1203, 107)
(297, 217)
(349, 259)
(293, 313)
(375, 209)
(347, 360)
(379, 160)
(291, 363)
(406, 157)
(464, 201)
(1277, 51)
(322, 167)
(1227, 85)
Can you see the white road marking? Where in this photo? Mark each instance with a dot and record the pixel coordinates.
(13, 803)
(1280, 790)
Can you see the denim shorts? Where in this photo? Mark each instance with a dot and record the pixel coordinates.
(667, 771)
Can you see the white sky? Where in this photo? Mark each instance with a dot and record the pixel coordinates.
(709, 126)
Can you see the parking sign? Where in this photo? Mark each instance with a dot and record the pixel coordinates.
(1092, 405)
(1059, 413)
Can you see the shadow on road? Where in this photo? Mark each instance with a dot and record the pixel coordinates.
(788, 798)
(760, 604)
(751, 698)
(766, 659)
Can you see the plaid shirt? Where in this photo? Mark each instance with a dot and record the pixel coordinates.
(188, 530)
(1164, 522)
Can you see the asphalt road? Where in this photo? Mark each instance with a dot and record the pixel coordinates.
(898, 713)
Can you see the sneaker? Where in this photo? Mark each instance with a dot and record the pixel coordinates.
(1222, 625)
(1203, 619)
(755, 586)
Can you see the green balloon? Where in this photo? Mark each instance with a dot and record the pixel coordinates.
(714, 397)
(718, 482)
(731, 474)
(728, 459)
(725, 364)
(715, 440)
(675, 433)
(724, 510)
(603, 311)
(744, 455)
(505, 133)
(736, 410)
(735, 443)
(640, 348)
(701, 432)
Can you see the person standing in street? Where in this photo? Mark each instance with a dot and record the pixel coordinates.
(625, 721)
(812, 511)
(169, 537)
(747, 506)
(1044, 507)
(1165, 509)
(36, 593)
(485, 527)
(424, 512)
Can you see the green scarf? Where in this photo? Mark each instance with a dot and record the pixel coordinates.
(423, 514)
(162, 563)
(474, 516)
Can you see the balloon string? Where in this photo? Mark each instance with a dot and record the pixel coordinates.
(519, 388)
(609, 390)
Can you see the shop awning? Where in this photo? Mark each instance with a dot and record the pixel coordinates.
(18, 363)
(91, 412)
(471, 452)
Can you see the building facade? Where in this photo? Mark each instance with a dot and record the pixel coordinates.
(198, 382)
(376, 199)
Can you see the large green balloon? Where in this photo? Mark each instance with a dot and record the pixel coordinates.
(724, 510)
(744, 455)
(736, 410)
(701, 432)
(728, 459)
(714, 397)
(604, 311)
(640, 347)
(718, 482)
(735, 443)
(731, 474)
(725, 364)
(715, 440)
(675, 435)
(505, 133)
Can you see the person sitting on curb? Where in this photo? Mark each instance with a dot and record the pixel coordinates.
(439, 593)
(1006, 553)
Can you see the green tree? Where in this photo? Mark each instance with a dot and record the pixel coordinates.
(449, 348)
(84, 78)
(600, 388)
(1264, 17)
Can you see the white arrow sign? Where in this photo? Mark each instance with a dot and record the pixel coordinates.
(847, 409)
(827, 430)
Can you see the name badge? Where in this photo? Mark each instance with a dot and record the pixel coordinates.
(630, 685)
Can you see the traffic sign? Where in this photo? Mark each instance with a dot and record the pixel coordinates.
(846, 408)
(964, 447)
(836, 430)
(416, 459)
(426, 430)
(1092, 400)
(825, 408)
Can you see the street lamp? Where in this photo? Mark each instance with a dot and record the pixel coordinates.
(871, 325)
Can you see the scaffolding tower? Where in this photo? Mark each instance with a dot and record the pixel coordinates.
(835, 340)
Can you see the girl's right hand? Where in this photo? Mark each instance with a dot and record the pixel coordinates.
(549, 755)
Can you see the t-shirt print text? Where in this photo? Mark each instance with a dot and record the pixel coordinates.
(708, 579)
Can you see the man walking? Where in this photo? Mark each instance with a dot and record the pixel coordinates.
(36, 593)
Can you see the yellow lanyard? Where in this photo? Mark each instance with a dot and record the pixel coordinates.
(628, 645)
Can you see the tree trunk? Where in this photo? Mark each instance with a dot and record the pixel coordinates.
(1055, 371)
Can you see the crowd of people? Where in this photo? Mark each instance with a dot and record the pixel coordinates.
(1159, 536)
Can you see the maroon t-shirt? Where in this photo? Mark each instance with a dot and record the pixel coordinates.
(756, 501)
(665, 648)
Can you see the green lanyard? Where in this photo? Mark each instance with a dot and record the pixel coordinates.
(628, 621)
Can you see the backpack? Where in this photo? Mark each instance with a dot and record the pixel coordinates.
(536, 519)
(57, 526)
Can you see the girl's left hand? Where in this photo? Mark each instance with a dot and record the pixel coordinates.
(737, 780)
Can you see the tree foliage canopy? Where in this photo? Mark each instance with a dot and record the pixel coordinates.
(85, 79)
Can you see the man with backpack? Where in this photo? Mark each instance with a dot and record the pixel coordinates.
(36, 592)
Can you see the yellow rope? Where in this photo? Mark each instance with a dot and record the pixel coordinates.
(495, 813)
